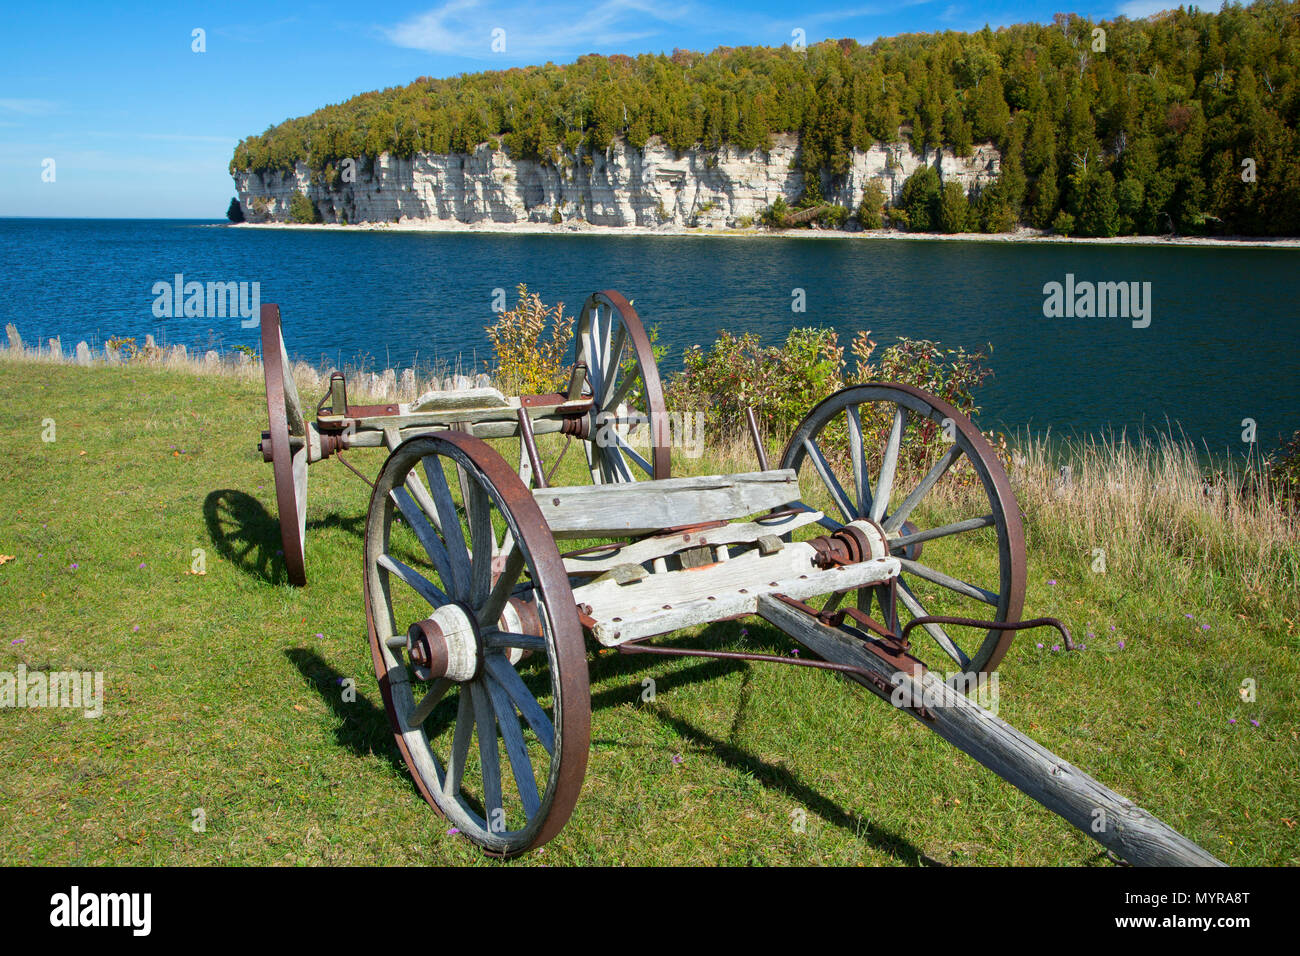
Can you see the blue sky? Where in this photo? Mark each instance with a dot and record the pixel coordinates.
(138, 124)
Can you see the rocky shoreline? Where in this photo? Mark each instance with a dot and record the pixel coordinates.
(1024, 235)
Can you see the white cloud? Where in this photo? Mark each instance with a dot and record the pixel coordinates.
(464, 27)
(27, 107)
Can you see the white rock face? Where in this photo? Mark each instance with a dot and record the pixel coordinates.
(625, 186)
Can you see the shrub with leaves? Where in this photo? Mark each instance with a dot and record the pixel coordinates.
(302, 209)
(780, 382)
(528, 360)
(951, 374)
(1284, 471)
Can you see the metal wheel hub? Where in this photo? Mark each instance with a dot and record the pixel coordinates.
(445, 644)
(910, 551)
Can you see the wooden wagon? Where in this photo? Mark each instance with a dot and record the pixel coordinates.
(480, 624)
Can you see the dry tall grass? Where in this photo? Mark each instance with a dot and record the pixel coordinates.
(1158, 511)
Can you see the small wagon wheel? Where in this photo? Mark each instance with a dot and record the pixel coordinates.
(284, 444)
(863, 446)
(503, 633)
(624, 383)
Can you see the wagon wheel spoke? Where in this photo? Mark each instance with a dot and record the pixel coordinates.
(943, 531)
(861, 480)
(496, 601)
(482, 538)
(914, 498)
(422, 497)
(948, 581)
(503, 640)
(946, 643)
(620, 396)
(489, 755)
(829, 480)
(413, 578)
(621, 446)
(521, 768)
(503, 673)
(449, 522)
(595, 361)
(429, 701)
(889, 465)
(424, 531)
(614, 363)
(616, 465)
(460, 743)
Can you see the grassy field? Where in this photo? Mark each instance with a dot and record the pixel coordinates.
(223, 689)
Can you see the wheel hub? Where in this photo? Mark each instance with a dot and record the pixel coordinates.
(445, 644)
(910, 551)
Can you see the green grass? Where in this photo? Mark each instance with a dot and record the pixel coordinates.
(226, 699)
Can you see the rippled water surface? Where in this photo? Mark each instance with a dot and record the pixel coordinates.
(1223, 343)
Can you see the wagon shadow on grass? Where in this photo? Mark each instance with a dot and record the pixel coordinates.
(248, 536)
(771, 776)
(365, 731)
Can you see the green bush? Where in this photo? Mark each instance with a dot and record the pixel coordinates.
(834, 217)
(234, 212)
(953, 208)
(920, 199)
(529, 343)
(1284, 471)
(774, 216)
(780, 382)
(869, 210)
(302, 209)
(1063, 224)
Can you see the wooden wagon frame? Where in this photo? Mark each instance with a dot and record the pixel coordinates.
(479, 624)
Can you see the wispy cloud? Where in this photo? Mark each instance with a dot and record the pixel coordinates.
(537, 31)
(27, 107)
(465, 27)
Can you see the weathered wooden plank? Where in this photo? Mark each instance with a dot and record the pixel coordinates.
(1109, 818)
(670, 600)
(647, 549)
(439, 401)
(642, 507)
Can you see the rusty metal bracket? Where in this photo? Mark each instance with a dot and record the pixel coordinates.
(890, 647)
(543, 401)
(992, 625)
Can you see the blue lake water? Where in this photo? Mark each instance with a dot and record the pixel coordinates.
(1223, 342)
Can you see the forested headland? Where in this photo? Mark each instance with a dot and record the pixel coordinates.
(1185, 122)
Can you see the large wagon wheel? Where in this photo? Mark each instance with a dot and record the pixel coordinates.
(859, 445)
(503, 634)
(284, 444)
(623, 380)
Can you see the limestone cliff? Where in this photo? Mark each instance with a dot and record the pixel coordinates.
(624, 186)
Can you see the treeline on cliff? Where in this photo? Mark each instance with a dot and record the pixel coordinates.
(1184, 122)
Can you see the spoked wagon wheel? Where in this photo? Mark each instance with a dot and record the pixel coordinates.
(284, 444)
(465, 645)
(864, 450)
(629, 437)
